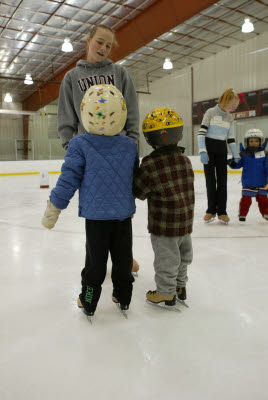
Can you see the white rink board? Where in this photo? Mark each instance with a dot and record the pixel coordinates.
(55, 165)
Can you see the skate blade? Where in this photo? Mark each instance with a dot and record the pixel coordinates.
(224, 223)
(182, 302)
(89, 317)
(123, 312)
(210, 220)
(162, 305)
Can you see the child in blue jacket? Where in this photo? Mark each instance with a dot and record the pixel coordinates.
(255, 173)
(101, 165)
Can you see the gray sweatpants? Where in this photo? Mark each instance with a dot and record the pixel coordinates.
(172, 255)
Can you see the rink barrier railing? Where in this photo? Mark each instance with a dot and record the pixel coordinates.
(27, 173)
(196, 171)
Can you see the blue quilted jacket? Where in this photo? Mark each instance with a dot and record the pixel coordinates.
(101, 167)
(255, 167)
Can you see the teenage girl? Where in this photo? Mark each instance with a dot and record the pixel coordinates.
(96, 69)
(217, 129)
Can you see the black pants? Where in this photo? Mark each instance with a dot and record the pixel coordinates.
(103, 237)
(216, 183)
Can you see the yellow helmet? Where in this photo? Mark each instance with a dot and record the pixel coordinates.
(162, 126)
(103, 110)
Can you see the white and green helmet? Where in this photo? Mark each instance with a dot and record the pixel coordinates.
(103, 110)
(253, 133)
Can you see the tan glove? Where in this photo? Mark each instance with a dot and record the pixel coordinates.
(51, 215)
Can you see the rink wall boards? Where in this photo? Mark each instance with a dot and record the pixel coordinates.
(16, 168)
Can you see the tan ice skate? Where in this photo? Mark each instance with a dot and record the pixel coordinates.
(158, 300)
(135, 267)
(224, 219)
(79, 304)
(209, 217)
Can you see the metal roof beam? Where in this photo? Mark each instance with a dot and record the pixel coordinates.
(160, 17)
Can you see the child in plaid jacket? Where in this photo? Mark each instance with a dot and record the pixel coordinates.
(166, 179)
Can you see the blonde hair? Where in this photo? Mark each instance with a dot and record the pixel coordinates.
(227, 96)
(103, 26)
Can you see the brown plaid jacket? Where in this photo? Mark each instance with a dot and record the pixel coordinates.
(166, 179)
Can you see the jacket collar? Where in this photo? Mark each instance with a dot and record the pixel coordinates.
(169, 149)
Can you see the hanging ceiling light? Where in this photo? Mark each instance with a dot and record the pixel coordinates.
(67, 46)
(8, 98)
(247, 26)
(28, 80)
(167, 64)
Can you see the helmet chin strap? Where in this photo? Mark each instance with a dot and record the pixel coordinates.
(254, 149)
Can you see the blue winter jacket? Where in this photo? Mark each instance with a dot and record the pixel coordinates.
(101, 167)
(255, 167)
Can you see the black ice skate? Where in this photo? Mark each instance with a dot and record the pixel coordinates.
(89, 312)
(181, 293)
(242, 219)
(122, 307)
(181, 296)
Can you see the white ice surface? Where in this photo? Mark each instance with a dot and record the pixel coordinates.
(215, 350)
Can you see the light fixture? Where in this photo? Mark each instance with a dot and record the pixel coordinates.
(167, 64)
(8, 98)
(247, 26)
(28, 80)
(67, 46)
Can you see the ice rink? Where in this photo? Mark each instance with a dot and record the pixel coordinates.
(215, 349)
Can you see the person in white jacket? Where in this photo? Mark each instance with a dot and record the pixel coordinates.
(217, 129)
